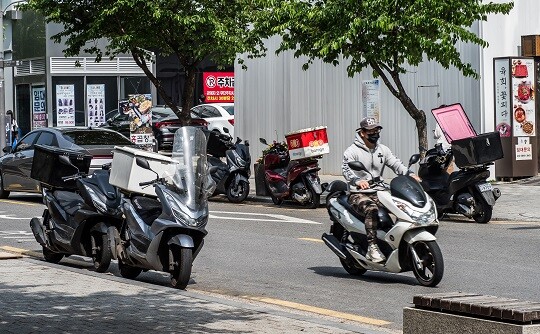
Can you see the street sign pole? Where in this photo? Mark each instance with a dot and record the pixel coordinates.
(2, 89)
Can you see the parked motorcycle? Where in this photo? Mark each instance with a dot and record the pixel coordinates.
(406, 237)
(166, 234)
(295, 180)
(78, 221)
(232, 177)
(465, 191)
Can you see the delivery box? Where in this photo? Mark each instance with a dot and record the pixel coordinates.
(307, 143)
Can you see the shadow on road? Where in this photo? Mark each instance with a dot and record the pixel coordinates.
(369, 276)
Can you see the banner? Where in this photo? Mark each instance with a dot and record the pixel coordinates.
(523, 97)
(371, 100)
(95, 98)
(65, 105)
(218, 87)
(139, 109)
(39, 112)
(503, 100)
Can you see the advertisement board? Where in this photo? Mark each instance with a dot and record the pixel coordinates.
(39, 112)
(65, 105)
(95, 105)
(371, 100)
(139, 109)
(218, 87)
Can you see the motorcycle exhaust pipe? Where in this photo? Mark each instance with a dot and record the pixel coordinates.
(37, 229)
(496, 193)
(333, 243)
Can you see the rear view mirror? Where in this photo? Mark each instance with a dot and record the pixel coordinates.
(262, 140)
(7, 149)
(414, 159)
(225, 130)
(357, 166)
(142, 162)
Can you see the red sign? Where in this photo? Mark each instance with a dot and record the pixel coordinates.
(218, 87)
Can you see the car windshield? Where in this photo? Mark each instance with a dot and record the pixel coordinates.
(229, 109)
(162, 113)
(95, 137)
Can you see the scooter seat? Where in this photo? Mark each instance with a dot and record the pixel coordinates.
(70, 201)
(147, 208)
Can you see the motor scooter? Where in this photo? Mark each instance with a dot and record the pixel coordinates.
(405, 231)
(465, 191)
(167, 233)
(232, 177)
(296, 180)
(79, 221)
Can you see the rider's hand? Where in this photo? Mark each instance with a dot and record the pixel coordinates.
(362, 184)
(416, 177)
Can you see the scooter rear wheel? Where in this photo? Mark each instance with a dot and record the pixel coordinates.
(51, 256)
(315, 200)
(353, 268)
(128, 271)
(485, 215)
(182, 263)
(431, 268)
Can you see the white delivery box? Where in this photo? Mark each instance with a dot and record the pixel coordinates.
(126, 174)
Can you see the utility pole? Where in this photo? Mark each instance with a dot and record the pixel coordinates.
(2, 88)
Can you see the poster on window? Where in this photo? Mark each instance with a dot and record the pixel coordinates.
(218, 87)
(524, 109)
(138, 107)
(371, 98)
(39, 113)
(95, 105)
(65, 105)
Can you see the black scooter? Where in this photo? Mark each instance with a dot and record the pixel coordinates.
(79, 221)
(465, 191)
(166, 234)
(232, 177)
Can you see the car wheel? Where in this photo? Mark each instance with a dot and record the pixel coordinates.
(3, 193)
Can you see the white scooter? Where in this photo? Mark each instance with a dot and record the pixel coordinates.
(405, 232)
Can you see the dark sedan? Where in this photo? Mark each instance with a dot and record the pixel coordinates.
(164, 125)
(16, 164)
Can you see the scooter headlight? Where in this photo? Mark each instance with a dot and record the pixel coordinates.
(419, 217)
(99, 204)
(240, 162)
(181, 216)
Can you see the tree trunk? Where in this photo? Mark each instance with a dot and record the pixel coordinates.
(188, 93)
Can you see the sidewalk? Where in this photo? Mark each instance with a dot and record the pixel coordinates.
(40, 297)
(519, 200)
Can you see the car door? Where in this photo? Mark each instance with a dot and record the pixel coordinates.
(14, 164)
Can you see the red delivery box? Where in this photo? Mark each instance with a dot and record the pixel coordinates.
(307, 143)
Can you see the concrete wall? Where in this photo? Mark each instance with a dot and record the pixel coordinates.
(275, 96)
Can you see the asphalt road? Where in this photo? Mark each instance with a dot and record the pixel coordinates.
(256, 250)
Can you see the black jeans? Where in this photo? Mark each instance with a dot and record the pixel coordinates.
(367, 205)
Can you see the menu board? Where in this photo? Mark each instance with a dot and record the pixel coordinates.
(523, 106)
(65, 105)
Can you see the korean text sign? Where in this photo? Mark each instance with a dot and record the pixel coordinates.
(218, 87)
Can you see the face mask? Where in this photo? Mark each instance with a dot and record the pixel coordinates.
(373, 138)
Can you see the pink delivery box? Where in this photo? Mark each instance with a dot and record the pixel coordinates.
(469, 148)
(307, 143)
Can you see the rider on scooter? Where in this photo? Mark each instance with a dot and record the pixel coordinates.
(363, 198)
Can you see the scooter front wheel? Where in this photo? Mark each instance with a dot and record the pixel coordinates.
(484, 216)
(182, 262)
(430, 269)
(101, 252)
(239, 193)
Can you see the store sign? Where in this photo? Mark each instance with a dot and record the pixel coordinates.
(218, 87)
(95, 104)
(139, 109)
(39, 112)
(65, 105)
(503, 99)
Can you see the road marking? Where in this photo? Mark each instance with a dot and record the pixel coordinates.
(321, 311)
(276, 217)
(17, 202)
(311, 239)
(8, 216)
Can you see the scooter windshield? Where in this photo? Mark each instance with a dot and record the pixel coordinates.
(191, 179)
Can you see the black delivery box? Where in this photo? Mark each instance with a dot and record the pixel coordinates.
(49, 170)
(469, 148)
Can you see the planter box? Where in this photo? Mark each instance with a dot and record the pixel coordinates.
(126, 175)
(307, 143)
(260, 183)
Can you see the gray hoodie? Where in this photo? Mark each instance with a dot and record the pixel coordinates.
(375, 160)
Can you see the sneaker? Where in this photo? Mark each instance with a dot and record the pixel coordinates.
(374, 254)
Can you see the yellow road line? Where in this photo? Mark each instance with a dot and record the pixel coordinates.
(18, 202)
(310, 239)
(321, 311)
(21, 251)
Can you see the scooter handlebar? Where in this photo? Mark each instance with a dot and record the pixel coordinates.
(147, 183)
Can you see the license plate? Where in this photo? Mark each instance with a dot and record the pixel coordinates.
(483, 187)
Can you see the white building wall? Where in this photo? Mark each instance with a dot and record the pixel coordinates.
(275, 96)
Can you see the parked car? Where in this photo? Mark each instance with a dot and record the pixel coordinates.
(164, 124)
(16, 164)
(218, 116)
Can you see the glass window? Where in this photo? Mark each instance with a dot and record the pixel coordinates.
(46, 138)
(134, 85)
(196, 112)
(210, 112)
(229, 109)
(27, 142)
(95, 137)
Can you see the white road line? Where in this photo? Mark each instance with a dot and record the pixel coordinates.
(277, 218)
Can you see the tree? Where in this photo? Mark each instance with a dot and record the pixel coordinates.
(190, 30)
(386, 35)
